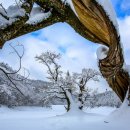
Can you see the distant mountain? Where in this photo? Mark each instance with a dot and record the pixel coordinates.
(35, 93)
(108, 98)
(33, 90)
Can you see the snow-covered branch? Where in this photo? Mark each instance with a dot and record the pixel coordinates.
(81, 80)
(13, 18)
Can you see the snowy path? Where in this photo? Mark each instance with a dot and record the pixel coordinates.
(27, 118)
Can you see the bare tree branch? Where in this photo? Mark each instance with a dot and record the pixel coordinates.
(11, 76)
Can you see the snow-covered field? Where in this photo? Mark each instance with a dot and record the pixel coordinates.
(36, 118)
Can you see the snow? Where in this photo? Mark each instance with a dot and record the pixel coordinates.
(108, 7)
(6, 4)
(3, 88)
(38, 118)
(100, 110)
(73, 106)
(5, 69)
(120, 117)
(102, 52)
(13, 12)
(122, 113)
(127, 68)
(37, 15)
(70, 3)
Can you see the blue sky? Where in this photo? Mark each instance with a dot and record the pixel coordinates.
(122, 7)
(77, 52)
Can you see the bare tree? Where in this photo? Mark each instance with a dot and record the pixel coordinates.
(81, 81)
(88, 17)
(50, 60)
(61, 85)
(13, 76)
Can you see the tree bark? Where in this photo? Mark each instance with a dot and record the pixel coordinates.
(80, 98)
(68, 102)
(95, 19)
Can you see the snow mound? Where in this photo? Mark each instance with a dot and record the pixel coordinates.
(122, 114)
(102, 52)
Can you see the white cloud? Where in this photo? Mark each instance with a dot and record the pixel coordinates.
(124, 26)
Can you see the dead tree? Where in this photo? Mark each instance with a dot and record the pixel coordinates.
(88, 17)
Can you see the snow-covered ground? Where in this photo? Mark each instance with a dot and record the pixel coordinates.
(36, 118)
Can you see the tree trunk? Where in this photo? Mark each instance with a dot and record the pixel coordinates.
(68, 102)
(80, 97)
(72, 105)
(94, 17)
(112, 69)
